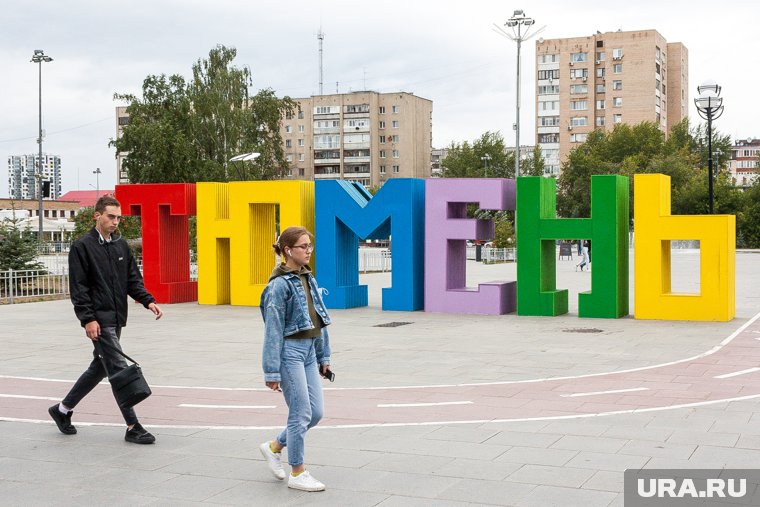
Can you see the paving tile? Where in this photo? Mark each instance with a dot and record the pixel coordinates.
(607, 461)
(660, 449)
(537, 456)
(524, 439)
(551, 476)
(545, 496)
(604, 480)
(704, 438)
(195, 487)
(593, 444)
(487, 492)
(476, 469)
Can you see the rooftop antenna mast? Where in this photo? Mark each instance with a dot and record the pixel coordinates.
(321, 38)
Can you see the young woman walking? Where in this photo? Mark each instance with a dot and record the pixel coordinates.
(296, 352)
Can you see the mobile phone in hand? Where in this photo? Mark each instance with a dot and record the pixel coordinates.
(329, 375)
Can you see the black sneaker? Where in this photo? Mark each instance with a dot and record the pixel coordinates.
(63, 421)
(139, 435)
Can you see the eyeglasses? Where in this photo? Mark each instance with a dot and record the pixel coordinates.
(306, 248)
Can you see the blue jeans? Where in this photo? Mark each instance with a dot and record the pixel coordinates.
(303, 394)
(95, 373)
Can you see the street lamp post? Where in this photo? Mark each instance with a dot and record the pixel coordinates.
(485, 158)
(516, 23)
(39, 57)
(97, 172)
(710, 107)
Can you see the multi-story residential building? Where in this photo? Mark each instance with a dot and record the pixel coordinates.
(22, 179)
(436, 157)
(583, 83)
(122, 118)
(745, 162)
(368, 137)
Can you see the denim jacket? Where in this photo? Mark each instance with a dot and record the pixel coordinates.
(286, 312)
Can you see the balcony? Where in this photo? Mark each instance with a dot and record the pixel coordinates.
(356, 160)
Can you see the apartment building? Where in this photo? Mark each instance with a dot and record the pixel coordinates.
(745, 162)
(366, 136)
(122, 119)
(22, 179)
(597, 81)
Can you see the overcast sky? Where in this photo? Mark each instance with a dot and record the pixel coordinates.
(445, 51)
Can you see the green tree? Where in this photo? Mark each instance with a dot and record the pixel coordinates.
(469, 160)
(129, 227)
(534, 164)
(18, 247)
(181, 131)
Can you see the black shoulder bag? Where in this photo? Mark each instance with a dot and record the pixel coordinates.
(129, 385)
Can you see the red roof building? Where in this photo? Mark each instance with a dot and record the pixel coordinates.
(85, 197)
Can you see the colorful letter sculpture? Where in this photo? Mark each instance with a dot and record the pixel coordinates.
(348, 212)
(538, 229)
(446, 230)
(164, 210)
(655, 227)
(237, 224)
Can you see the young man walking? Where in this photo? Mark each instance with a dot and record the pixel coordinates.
(102, 273)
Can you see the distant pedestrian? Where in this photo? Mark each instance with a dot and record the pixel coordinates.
(102, 273)
(296, 352)
(585, 261)
(580, 247)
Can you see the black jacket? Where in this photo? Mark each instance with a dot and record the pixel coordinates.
(101, 276)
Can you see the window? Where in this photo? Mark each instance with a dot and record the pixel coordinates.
(326, 142)
(288, 129)
(548, 59)
(548, 74)
(300, 128)
(382, 153)
(600, 88)
(382, 169)
(396, 168)
(395, 124)
(300, 143)
(578, 138)
(600, 43)
(579, 88)
(617, 118)
(300, 171)
(327, 109)
(123, 120)
(288, 115)
(600, 56)
(548, 89)
(578, 105)
(600, 72)
(617, 53)
(600, 121)
(578, 73)
(395, 154)
(356, 108)
(600, 104)
(548, 121)
(617, 68)
(382, 139)
(381, 109)
(395, 109)
(300, 114)
(288, 143)
(382, 124)
(548, 138)
(393, 138)
(617, 102)
(617, 85)
(300, 157)
(578, 57)
(657, 52)
(548, 105)
(289, 158)
(579, 121)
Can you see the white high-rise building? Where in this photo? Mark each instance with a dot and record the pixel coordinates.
(22, 170)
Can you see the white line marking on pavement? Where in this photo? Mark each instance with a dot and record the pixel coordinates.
(573, 395)
(713, 350)
(396, 425)
(737, 373)
(192, 405)
(402, 405)
(28, 397)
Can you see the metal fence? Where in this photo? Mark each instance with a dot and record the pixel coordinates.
(493, 255)
(374, 260)
(17, 285)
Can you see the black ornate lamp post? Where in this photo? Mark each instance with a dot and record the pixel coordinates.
(710, 107)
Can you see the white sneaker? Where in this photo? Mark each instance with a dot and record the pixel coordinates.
(305, 482)
(273, 460)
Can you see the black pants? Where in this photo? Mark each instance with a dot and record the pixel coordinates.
(95, 373)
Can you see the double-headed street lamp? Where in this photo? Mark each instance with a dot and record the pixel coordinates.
(39, 57)
(486, 158)
(516, 23)
(710, 107)
(97, 172)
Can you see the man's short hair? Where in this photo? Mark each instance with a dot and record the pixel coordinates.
(106, 200)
